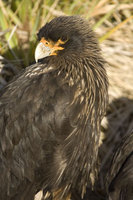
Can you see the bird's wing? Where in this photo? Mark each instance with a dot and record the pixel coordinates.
(121, 154)
(121, 172)
(32, 117)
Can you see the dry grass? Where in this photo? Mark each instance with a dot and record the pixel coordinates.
(118, 52)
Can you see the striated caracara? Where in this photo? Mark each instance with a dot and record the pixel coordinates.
(50, 115)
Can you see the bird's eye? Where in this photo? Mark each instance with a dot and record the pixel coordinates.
(63, 38)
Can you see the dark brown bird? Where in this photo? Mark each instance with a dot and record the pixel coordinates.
(120, 175)
(50, 115)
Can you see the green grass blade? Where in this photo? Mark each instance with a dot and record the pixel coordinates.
(109, 33)
(105, 17)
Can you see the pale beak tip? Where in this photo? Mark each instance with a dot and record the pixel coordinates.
(41, 51)
(36, 60)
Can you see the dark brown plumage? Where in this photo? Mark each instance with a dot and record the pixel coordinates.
(120, 175)
(50, 115)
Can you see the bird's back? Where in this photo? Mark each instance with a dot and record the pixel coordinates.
(32, 113)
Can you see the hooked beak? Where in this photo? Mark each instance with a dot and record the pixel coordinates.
(47, 48)
(41, 51)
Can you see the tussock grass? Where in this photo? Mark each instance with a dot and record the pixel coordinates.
(23, 19)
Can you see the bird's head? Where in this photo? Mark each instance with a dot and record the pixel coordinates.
(66, 36)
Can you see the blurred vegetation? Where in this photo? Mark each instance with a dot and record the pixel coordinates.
(20, 20)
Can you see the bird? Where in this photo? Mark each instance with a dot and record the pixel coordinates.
(120, 174)
(51, 112)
